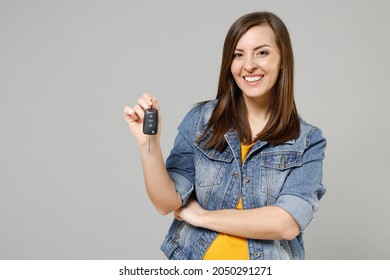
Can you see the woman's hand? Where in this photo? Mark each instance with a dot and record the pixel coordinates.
(192, 213)
(135, 116)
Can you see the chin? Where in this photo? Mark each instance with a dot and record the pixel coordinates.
(256, 94)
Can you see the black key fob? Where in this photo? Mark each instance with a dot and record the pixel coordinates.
(150, 121)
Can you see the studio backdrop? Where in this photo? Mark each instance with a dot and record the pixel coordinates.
(71, 184)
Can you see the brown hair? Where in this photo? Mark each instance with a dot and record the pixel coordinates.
(230, 111)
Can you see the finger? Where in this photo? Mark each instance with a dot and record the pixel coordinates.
(147, 98)
(130, 114)
(145, 101)
(155, 103)
(177, 217)
(145, 104)
(139, 111)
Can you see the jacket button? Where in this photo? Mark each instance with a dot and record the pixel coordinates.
(247, 179)
(257, 254)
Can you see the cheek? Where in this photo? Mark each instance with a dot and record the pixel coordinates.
(270, 64)
(272, 68)
(234, 69)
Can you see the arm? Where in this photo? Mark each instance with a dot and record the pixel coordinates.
(292, 212)
(159, 186)
(272, 222)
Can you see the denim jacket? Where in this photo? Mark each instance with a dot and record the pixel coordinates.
(288, 175)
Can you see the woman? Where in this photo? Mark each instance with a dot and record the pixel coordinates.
(244, 176)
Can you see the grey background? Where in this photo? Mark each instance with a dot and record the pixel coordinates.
(71, 185)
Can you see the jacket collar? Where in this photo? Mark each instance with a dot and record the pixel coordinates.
(233, 149)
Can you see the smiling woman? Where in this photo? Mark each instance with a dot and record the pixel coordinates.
(256, 63)
(257, 45)
(244, 177)
(255, 69)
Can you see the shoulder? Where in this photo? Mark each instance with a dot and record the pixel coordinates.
(205, 107)
(198, 116)
(310, 134)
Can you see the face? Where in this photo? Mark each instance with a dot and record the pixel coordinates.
(256, 63)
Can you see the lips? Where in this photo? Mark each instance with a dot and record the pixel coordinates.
(253, 79)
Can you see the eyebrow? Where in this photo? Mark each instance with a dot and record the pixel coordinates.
(255, 49)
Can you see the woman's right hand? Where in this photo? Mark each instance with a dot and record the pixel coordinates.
(159, 185)
(134, 117)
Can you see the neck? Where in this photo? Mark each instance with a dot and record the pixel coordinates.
(258, 113)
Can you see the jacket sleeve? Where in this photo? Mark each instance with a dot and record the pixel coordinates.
(303, 187)
(180, 162)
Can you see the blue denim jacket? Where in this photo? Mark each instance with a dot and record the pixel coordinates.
(288, 175)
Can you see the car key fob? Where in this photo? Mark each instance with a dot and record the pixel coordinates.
(150, 121)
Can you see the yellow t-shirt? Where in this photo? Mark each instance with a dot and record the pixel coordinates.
(229, 247)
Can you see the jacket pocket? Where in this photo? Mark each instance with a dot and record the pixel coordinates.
(276, 166)
(172, 250)
(211, 165)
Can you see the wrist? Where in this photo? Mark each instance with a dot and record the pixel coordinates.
(152, 143)
(203, 218)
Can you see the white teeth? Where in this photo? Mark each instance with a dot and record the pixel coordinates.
(253, 79)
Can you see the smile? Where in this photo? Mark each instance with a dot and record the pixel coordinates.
(253, 79)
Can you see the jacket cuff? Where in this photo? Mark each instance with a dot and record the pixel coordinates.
(183, 186)
(298, 208)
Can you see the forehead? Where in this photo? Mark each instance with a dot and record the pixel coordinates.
(256, 36)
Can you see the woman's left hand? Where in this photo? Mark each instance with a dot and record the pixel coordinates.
(191, 213)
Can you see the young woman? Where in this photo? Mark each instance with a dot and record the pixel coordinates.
(244, 177)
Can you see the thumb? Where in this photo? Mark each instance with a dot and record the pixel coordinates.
(154, 103)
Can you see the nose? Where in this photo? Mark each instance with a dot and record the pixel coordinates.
(249, 64)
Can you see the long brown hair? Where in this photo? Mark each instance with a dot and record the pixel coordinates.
(230, 111)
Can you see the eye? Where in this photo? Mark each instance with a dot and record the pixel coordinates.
(238, 55)
(263, 53)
